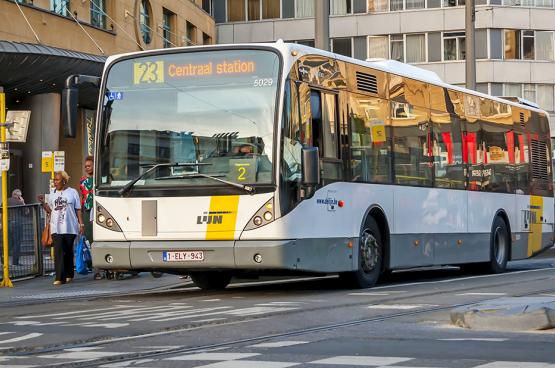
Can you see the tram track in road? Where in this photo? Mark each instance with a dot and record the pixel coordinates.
(495, 282)
(229, 344)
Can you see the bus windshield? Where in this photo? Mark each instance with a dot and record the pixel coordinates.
(212, 108)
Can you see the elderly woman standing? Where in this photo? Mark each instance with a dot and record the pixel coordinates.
(66, 222)
(86, 186)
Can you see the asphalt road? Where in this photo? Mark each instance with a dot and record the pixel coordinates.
(274, 323)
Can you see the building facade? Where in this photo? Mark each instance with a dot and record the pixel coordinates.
(514, 38)
(45, 41)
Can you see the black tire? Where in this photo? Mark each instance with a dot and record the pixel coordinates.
(499, 247)
(370, 264)
(211, 280)
(156, 275)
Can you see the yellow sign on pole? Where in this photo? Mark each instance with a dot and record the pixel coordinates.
(6, 281)
(47, 161)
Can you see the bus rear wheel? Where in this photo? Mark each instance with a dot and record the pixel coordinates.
(370, 257)
(499, 247)
(211, 280)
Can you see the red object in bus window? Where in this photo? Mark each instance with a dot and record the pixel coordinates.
(521, 140)
(511, 146)
(449, 145)
(471, 143)
(464, 148)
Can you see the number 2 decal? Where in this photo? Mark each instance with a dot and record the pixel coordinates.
(242, 173)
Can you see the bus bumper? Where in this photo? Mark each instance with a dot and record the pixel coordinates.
(228, 254)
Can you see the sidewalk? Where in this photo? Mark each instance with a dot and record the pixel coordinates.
(43, 288)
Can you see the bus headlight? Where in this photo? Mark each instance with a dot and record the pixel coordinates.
(105, 219)
(263, 216)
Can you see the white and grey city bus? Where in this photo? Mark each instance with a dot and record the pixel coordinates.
(226, 160)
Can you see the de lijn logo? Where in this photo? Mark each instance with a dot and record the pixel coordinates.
(214, 218)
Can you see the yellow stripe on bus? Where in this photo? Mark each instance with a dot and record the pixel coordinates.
(223, 212)
(535, 235)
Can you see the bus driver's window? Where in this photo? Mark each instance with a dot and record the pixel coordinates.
(324, 134)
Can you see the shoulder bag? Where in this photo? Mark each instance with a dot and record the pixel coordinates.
(46, 235)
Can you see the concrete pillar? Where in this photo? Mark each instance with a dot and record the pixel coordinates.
(43, 135)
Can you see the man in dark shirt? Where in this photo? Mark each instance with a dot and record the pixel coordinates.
(15, 225)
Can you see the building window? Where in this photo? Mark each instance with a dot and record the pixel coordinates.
(236, 11)
(191, 34)
(545, 97)
(397, 48)
(450, 3)
(57, 6)
(269, 9)
(395, 5)
(206, 39)
(544, 45)
(309, 43)
(454, 46)
(530, 92)
(144, 20)
(528, 45)
(512, 44)
(544, 3)
(342, 46)
(167, 29)
(377, 47)
(415, 4)
(207, 6)
(98, 11)
(377, 5)
(305, 8)
(513, 90)
(416, 48)
(339, 7)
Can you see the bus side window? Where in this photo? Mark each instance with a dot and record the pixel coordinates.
(448, 151)
(413, 149)
(522, 162)
(499, 158)
(371, 139)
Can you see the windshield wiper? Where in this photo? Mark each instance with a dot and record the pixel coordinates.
(246, 188)
(129, 185)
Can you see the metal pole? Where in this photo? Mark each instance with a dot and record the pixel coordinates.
(470, 45)
(6, 281)
(322, 24)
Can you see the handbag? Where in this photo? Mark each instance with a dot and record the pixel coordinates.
(86, 252)
(46, 235)
(80, 265)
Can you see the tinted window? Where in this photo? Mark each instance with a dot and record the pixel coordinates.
(412, 146)
(448, 151)
(371, 139)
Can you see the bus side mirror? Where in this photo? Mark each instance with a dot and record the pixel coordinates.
(310, 171)
(70, 97)
(69, 111)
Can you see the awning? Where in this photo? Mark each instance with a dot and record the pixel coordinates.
(30, 69)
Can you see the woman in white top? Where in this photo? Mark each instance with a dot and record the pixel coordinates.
(64, 207)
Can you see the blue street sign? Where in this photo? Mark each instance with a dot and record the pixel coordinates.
(115, 96)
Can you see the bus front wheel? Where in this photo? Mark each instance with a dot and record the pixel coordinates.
(370, 257)
(211, 280)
